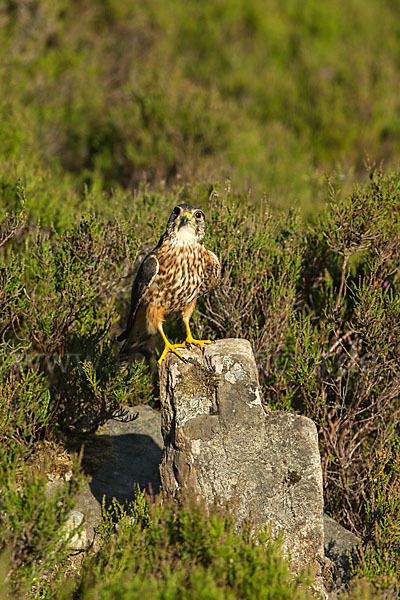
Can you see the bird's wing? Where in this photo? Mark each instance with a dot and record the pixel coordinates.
(212, 274)
(147, 272)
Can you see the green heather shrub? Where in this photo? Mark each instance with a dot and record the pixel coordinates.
(261, 258)
(380, 560)
(319, 302)
(59, 373)
(170, 550)
(33, 530)
(93, 386)
(58, 300)
(25, 406)
(350, 338)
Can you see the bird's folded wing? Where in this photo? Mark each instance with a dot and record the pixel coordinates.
(147, 272)
(212, 274)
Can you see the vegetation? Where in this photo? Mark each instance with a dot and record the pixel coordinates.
(181, 552)
(319, 302)
(111, 112)
(272, 95)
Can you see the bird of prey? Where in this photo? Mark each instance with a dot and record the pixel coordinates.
(169, 281)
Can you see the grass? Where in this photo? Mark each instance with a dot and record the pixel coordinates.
(273, 96)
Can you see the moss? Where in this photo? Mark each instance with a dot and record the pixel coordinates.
(199, 381)
(293, 477)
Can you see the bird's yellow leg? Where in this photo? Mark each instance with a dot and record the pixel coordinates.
(168, 346)
(190, 339)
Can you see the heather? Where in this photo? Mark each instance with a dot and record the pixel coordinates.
(110, 114)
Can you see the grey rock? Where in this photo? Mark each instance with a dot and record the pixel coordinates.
(221, 444)
(74, 531)
(121, 455)
(341, 548)
(133, 457)
(135, 449)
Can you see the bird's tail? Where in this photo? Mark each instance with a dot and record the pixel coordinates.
(132, 346)
(128, 348)
(131, 351)
(122, 336)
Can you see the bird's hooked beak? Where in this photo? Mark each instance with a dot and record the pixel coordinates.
(185, 218)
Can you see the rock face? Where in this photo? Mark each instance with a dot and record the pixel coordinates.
(213, 402)
(220, 443)
(132, 455)
(75, 534)
(341, 548)
(122, 455)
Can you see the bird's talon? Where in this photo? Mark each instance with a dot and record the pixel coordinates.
(199, 343)
(171, 348)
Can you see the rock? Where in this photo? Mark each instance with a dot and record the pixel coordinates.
(132, 458)
(221, 444)
(108, 454)
(341, 548)
(75, 534)
(120, 456)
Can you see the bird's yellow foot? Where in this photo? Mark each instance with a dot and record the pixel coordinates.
(199, 343)
(170, 348)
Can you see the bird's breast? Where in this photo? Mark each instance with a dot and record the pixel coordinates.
(180, 276)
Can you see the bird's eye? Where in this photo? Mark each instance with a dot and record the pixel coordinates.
(177, 211)
(198, 215)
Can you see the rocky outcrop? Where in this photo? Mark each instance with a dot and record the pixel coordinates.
(220, 443)
(132, 455)
(120, 456)
(341, 548)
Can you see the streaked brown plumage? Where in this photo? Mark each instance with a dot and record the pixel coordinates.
(169, 281)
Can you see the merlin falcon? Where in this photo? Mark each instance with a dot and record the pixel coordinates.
(169, 281)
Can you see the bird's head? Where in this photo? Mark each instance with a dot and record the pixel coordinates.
(187, 224)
